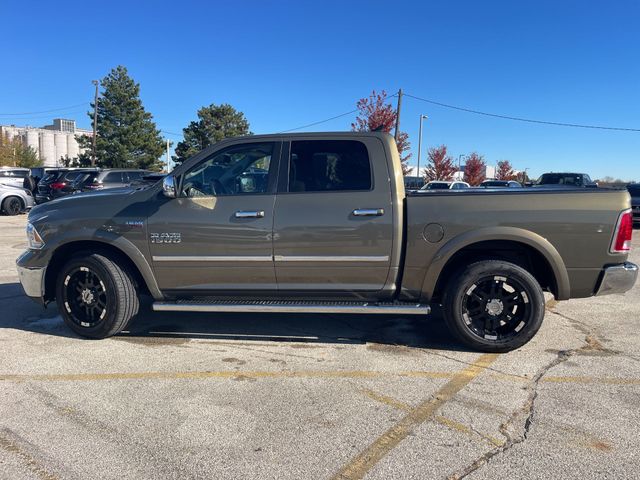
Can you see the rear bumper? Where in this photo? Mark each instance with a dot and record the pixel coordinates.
(618, 279)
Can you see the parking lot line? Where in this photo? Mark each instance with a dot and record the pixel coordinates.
(447, 422)
(366, 460)
(226, 374)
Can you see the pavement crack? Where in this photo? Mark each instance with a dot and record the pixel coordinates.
(527, 411)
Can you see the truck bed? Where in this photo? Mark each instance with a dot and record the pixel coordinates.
(570, 226)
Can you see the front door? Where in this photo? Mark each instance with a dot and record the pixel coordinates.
(217, 235)
(333, 230)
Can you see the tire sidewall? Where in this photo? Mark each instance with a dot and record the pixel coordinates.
(106, 324)
(6, 206)
(470, 275)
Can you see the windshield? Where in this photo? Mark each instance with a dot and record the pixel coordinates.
(634, 190)
(436, 186)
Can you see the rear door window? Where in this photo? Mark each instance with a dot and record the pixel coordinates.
(329, 165)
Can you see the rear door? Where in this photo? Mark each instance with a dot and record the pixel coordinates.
(333, 228)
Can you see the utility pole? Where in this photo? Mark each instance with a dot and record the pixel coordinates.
(398, 115)
(168, 157)
(95, 124)
(422, 117)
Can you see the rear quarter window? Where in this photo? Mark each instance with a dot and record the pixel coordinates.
(112, 177)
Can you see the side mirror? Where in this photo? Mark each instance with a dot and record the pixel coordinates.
(169, 186)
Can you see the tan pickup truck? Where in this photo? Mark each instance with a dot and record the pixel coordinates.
(321, 222)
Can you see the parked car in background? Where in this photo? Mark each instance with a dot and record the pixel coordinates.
(445, 185)
(148, 179)
(13, 176)
(413, 183)
(634, 191)
(562, 179)
(59, 182)
(111, 178)
(500, 184)
(15, 200)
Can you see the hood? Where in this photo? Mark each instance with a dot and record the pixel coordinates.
(99, 203)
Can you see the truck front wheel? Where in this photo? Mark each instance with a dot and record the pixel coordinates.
(494, 306)
(95, 296)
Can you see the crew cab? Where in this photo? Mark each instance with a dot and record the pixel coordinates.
(321, 222)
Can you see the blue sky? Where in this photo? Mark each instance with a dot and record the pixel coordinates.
(286, 64)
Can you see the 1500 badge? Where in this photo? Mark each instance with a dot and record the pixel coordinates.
(166, 237)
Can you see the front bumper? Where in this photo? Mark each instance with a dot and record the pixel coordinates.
(618, 279)
(32, 280)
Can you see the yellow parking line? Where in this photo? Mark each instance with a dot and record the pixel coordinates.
(447, 422)
(366, 460)
(225, 374)
(601, 380)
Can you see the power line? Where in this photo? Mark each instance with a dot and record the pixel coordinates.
(43, 111)
(320, 121)
(38, 117)
(328, 119)
(520, 119)
(171, 133)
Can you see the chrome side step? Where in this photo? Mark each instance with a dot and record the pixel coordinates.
(291, 307)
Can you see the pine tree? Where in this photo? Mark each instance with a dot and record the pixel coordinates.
(127, 135)
(214, 123)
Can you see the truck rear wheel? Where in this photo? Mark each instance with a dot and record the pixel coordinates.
(494, 306)
(95, 296)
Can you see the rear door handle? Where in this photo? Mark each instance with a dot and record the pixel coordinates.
(250, 214)
(368, 212)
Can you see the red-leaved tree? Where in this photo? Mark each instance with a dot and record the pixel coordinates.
(505, 171)
(440, 165)
(374, 113)
(475, 169)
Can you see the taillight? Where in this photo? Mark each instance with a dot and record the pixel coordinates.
(94, 185)
(58, 185)
(622, 235)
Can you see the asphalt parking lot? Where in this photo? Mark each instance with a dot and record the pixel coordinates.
(314, 396)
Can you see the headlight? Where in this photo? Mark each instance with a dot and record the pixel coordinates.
(34, 238)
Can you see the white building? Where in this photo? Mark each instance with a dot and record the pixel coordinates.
(51, 142)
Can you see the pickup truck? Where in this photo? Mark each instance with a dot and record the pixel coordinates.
(321, 222)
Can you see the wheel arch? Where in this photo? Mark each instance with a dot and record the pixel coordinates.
(525, 248)
(118, 249)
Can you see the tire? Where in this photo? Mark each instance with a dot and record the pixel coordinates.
(95, 296)
(493, 306)
(12, 206)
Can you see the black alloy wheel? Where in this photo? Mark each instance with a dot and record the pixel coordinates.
(12, 206)
(84, 297)
(96, 294)
(494, 306)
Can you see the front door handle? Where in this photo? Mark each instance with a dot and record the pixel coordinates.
(250, 214)
(368, 212)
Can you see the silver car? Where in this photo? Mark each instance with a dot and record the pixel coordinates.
(13, 176)
(15, 200)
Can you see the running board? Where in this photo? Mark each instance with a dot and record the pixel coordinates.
(291, 307)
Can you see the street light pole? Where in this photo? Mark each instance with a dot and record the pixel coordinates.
(420, 142)
(95, 124)
(460, 157)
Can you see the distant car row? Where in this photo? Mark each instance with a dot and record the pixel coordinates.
(59, 182)
(559, 180)
(459, 185)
